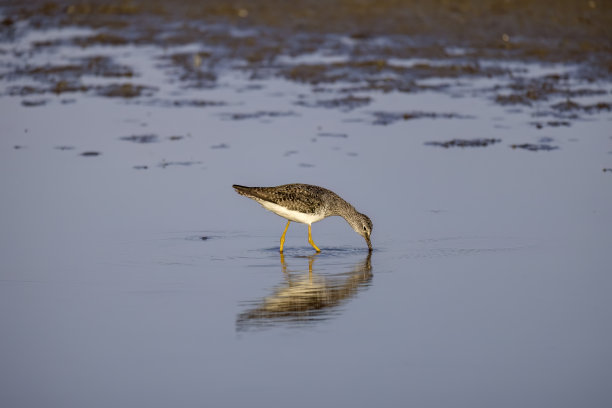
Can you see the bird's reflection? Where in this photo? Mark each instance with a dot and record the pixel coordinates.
(306, 297)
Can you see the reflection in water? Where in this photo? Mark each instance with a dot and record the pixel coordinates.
(307, 298)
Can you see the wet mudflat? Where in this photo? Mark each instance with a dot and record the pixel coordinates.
(131, 273)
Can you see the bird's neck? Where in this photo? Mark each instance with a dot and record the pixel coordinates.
(344, 210)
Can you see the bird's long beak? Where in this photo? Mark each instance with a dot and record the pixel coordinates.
(369, 243)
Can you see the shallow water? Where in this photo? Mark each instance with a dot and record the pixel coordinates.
(138, 277)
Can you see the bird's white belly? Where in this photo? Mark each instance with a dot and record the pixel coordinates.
(291, 215)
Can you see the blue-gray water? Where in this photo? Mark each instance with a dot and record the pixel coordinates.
(138, 277)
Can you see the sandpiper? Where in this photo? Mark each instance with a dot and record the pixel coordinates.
(306, 203)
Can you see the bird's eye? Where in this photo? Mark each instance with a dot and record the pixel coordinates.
(364, 228)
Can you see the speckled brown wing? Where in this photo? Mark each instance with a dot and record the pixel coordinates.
(304, 198)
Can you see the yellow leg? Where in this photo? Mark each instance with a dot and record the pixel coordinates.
(283, 236)
(283, 264)
(310, 240)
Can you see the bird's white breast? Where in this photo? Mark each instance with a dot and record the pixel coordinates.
(295, 216)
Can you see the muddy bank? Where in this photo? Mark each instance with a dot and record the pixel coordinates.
(504, 24)
(345, 50)
(565, 30)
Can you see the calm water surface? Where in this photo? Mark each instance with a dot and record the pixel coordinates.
(138, 277)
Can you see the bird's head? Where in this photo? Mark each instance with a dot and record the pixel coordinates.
(363, 226)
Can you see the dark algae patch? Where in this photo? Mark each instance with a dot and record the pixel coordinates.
(378, 74)
(165, 164)
(179, 103)
(570, 106)
(220, 146)
(148, 138)
(64, 87)
(257, 115)
(329, 134)
(464, 143)
(103, 66)
(90, 154)
(33, 102)
(387, 118)
(532, 147)
(101, 39)
(125, 90)
(552, 123)
(68, 77)
(345, 104)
